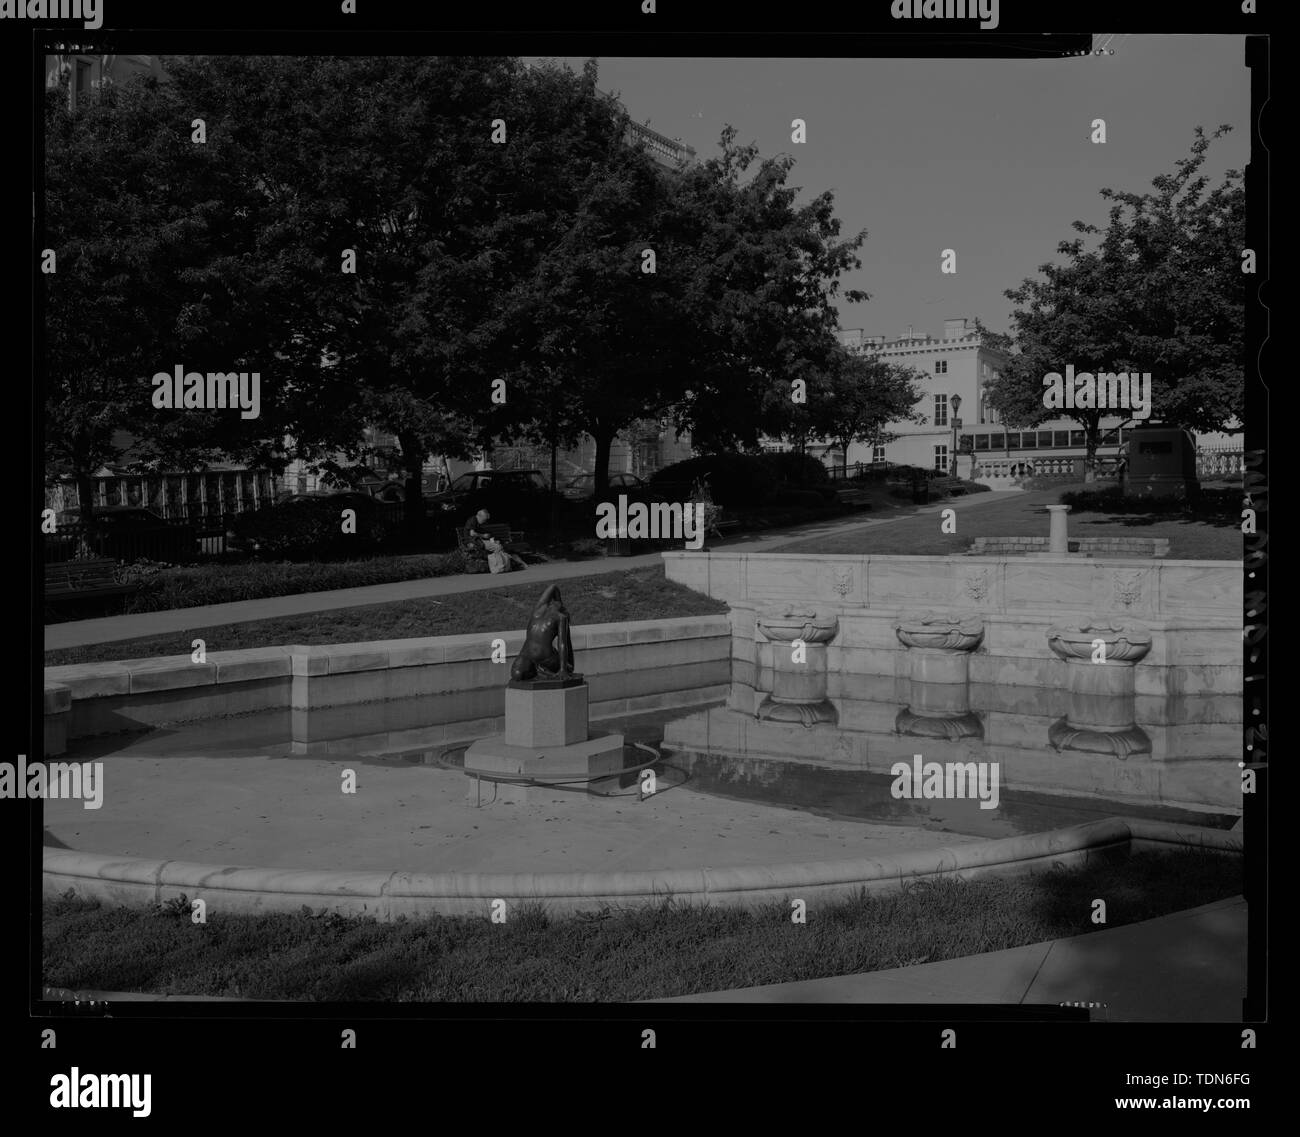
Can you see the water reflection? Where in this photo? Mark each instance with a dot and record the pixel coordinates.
(1070, 754)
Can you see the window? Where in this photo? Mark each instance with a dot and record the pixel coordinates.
(941, 459)
(941, 367)
(997, 441)
(965, 444)
(1013, 439)
(941, 410)
(1060, 439)
(1029, 440)
(1044, 440)
(877, 454)
(1078, 438)
(981, 442)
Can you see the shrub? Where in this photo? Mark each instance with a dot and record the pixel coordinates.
(311, 527)
(736, 480)
(801, 499)
(800, 471)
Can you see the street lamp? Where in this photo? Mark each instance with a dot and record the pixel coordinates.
(956, 426)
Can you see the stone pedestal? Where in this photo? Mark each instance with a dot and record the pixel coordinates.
(545, 774)
(939, 646)
(545, 754)
(1058, 533)
(546, 715)
(798, 686)
(1101, 716)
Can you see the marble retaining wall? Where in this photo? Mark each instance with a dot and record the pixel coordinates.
(628, 666)
(1193, 610)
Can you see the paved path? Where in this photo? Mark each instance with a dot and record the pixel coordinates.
(78, 633)
(1186, 967)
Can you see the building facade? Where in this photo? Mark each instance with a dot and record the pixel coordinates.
(85, 71)
(959, 425)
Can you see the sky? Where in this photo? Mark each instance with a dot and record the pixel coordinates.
(991, 158)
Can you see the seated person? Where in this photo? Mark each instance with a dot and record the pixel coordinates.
(499, 558)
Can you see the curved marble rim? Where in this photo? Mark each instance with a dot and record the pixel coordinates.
(137, 882)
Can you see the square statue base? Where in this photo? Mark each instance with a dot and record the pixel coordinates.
(489, 757)
(546, 716)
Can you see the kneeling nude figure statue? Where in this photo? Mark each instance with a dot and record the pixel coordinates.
(548, 651)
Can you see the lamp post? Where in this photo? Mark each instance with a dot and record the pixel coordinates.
(956, 425)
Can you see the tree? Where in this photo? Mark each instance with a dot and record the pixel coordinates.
(1162, 291)
(859, 397)
(142, 223)
(736, 295)
(390, 220)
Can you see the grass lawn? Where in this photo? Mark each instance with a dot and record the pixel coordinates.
(633, 594)
(613, 956)
(1025, 515)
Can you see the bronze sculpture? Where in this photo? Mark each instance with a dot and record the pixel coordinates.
(547, 654)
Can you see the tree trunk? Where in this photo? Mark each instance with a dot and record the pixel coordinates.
(1090, 452)
(413, 466)
(85, 497)
(604, 439)
(555, 491)
(86, 513)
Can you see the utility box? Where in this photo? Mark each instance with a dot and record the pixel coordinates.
(1160, 462)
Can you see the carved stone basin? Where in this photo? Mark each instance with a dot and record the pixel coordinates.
(942, 631)
(812, 625)
(1124, 643)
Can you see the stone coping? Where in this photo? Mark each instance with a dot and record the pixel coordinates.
(387, 895)
(946, 558)
(169, 672)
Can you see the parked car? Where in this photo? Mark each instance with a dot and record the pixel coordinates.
(125, 533)
(622, 482)
(510, 495)
(312, 523)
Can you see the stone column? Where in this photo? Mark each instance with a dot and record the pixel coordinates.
(1058, 534)
(798, 692)
(1101, 658)
(939, 646)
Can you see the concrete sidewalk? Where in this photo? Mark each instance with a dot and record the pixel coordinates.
(78, 633)
(1186, 967)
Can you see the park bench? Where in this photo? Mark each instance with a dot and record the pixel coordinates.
(71, 581)
(500, 532)
(497, 530)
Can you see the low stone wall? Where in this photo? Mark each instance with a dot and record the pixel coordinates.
(628, 666)
(388, 895)
(1192, 609)
(1112, 547)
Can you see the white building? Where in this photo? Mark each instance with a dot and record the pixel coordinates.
(955, 371)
